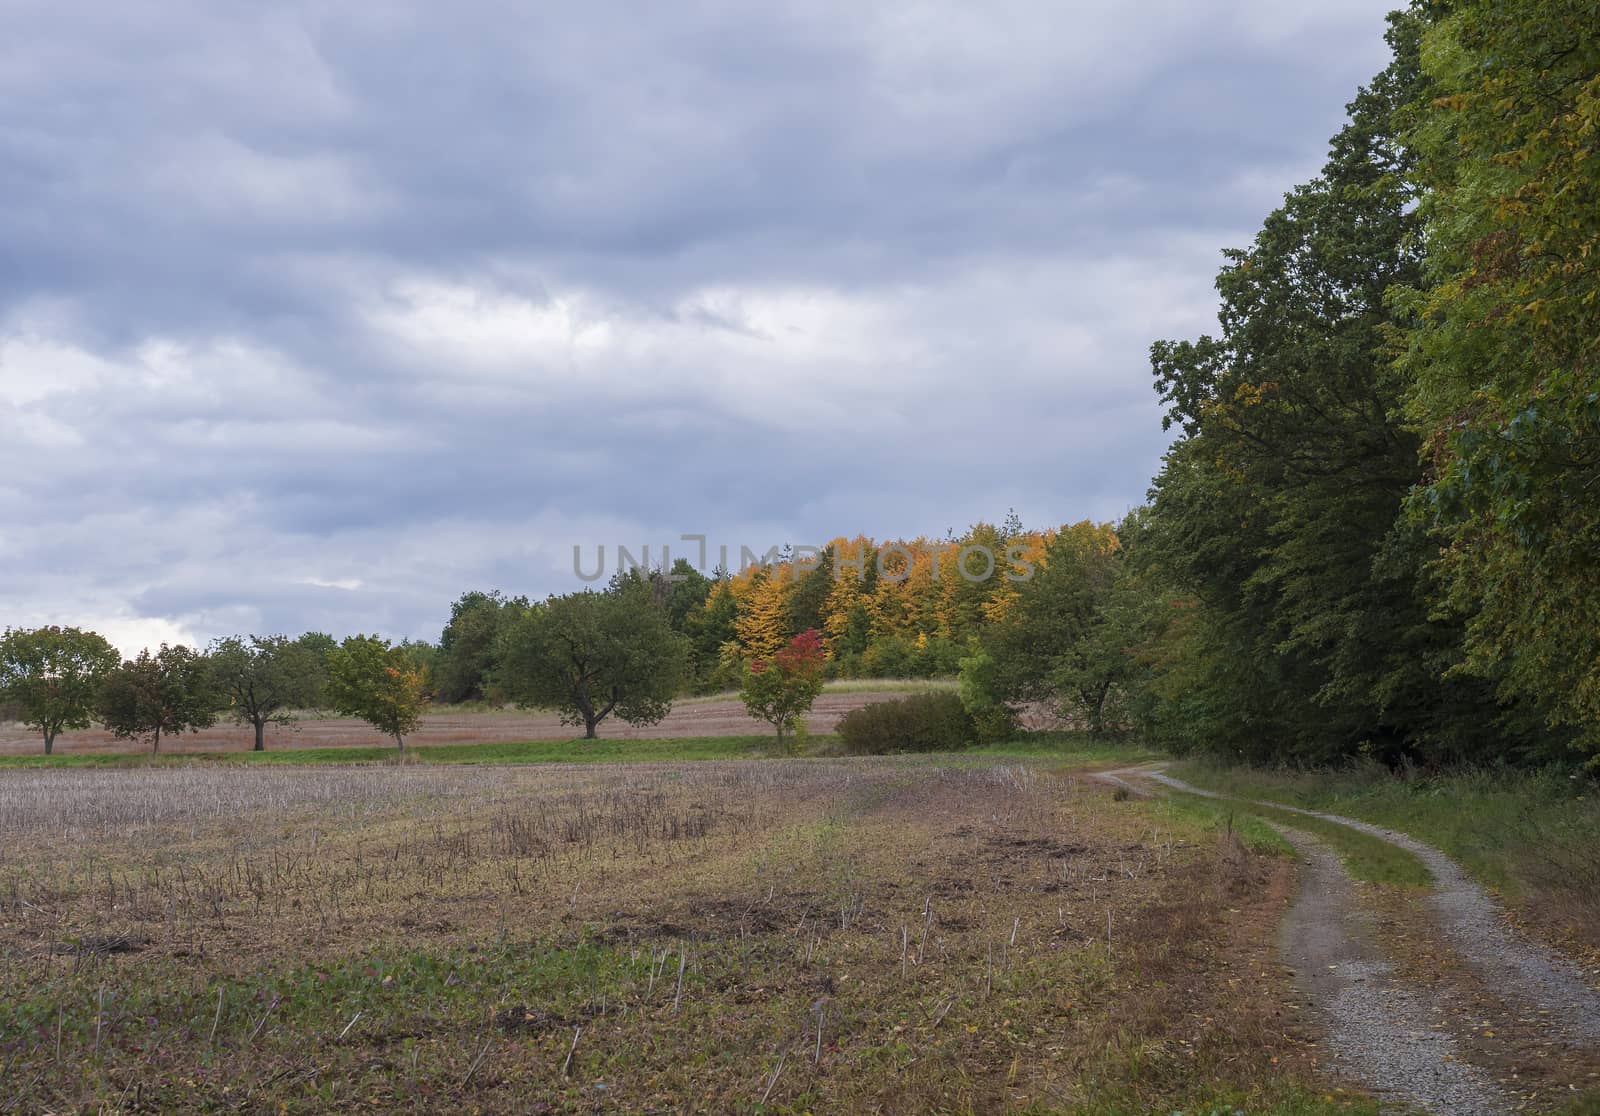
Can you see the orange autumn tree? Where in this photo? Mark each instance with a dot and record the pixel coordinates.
(762, 594)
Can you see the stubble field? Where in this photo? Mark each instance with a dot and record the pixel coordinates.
(908, 935)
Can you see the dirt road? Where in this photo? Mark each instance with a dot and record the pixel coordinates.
(1381, 1032)
(1395, 1034)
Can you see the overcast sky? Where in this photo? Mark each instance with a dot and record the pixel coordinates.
(313, 317)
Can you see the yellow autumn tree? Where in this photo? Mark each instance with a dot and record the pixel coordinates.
(846, 617)
(1030, 548)
(761, 592)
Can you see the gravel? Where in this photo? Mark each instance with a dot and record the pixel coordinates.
(1513, 965)
(1380, 1032)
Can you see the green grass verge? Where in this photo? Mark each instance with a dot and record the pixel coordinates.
(1525, 833)
(1256, 834)
(1365, 857)
(1064, 746)
(499, 751)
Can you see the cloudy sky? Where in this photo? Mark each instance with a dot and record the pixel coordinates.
(316, 316)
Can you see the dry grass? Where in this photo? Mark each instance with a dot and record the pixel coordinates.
(891, 936)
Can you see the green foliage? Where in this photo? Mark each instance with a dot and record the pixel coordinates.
(465, 657)
(166, 693)
(263, 679)
(805, 608)
(711, 629)
(679, 591)
(992, 719)
(380, 684)
(1305, 618)
(1503, 348)
(931, 722)
(319, 644)
(1043, 648)
(590, 655)
(686, 589)
(53, 675)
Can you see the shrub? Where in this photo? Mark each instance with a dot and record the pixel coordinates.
(997, 724)
(931, 722)
(889, 657)
(995, 720)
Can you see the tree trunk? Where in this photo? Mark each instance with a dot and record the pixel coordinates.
(155, 745)
(588, 728)
(49, 741)
(400, 741)
(261, 736)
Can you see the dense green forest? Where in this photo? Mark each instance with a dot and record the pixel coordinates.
(1377, 531)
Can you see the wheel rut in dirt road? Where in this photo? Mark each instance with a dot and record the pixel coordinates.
(1517, 968)
(1380, 1032)
(1384, 1030)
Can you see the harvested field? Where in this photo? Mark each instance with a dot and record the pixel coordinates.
(907, 935)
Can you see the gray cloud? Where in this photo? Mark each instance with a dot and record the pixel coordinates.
(315, 316)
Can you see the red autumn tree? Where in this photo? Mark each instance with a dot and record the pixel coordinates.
(780, 690)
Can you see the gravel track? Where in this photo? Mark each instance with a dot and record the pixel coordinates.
(1383, 1032)
(1512, 964)
(1380, 1032)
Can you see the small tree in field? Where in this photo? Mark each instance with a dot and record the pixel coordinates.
(168, 692)
(378, 683)
(52, 675)
(780, 690)
(264, 678)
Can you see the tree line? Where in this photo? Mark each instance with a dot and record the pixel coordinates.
(774, 632)
(1377, 532)
(55, 679)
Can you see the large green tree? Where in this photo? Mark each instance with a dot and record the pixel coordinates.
(264, 679)
(1036, 652)
(53, 676)
(712, 627)
(167, 693)
(685, 589)
(590, 655)
(1504, 346)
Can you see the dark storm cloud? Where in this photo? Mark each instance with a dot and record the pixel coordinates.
(316, 316)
